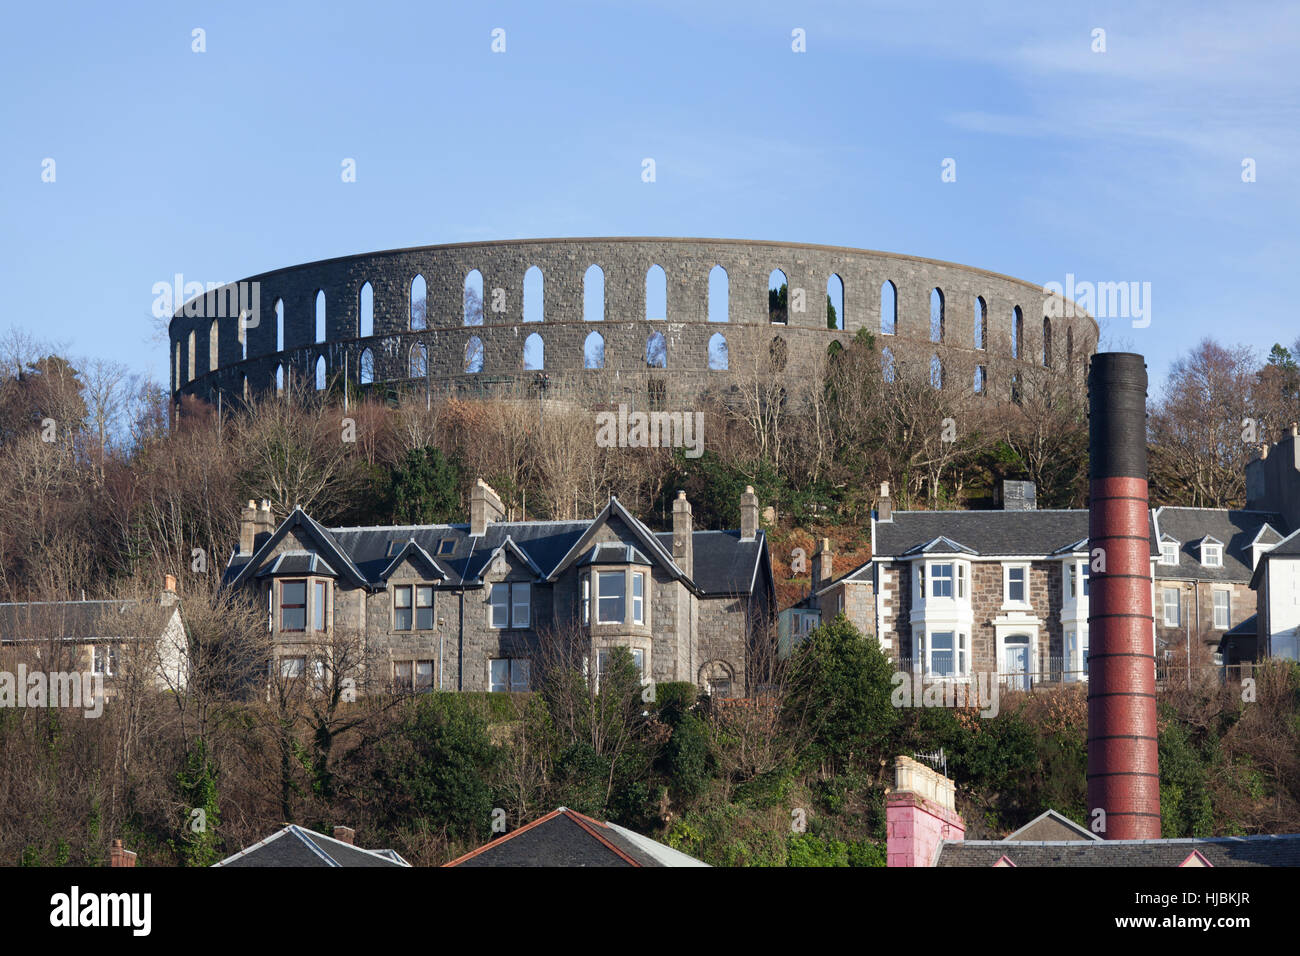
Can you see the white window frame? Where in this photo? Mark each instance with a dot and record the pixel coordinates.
(1212, 555)
(621, 577)
(960, 651)
(510, 605)
(1178, 606)
(104, 660)
(1169, 553)
(518, 620)
(942, 573)
(1227, 608)
(586, 599)
(638, 599)
(1007, 601)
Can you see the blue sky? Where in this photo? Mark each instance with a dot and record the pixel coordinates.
(1116, 166)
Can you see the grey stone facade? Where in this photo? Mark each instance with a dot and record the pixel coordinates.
(198, 369)
(707, 625)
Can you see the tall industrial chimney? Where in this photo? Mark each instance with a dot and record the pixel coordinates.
(1123, 759)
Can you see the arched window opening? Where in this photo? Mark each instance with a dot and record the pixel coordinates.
(419, 361)
(887, 370)
(189, 371)
(474, 355)
(419, 314)
(778, 298)
(981, 315)
(366, 371)
(888, 309)
(936, 372)
(1069, 347)
(656, 293)
(473, 298)
(936, 315)
(979, 379)
(279, 325)
(1047, 342)
(593, 294)
(320, 373)
(1017, 331)
(719, 295)
(835, 302)
(534, 295)
(320, 315)
(213, 344)
(366, 311)
(779, 353)
(243, 336)
(534, 353)
(593, 351)
(656, 351)
(718, 358)
(279, 379)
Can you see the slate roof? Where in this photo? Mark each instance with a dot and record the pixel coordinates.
(724, 565)
(565, 837)
(1049, 824)
(298, 846)
(75, 620)
(1010, 533)
(1235, 529)
(1289, 547)
(1278, 850)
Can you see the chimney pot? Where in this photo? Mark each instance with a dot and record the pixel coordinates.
(169, 582)
(119, 857)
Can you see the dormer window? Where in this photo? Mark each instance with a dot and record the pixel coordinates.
(1212, 555)
(1169, 553)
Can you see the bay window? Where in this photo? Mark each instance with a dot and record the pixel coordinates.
(947, 654)
(293, 605)
(610, 594)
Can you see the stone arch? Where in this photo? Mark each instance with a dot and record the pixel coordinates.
(366, 310)
(981, 320)
(778, 298)
(718, 678)
(473, 355)
(719, 360)
(593, 351)
(593, 294)
(779, 353)
(366, 367)
(320, 315)
(656, 351)
(1017, 332)
(418, 311)
(936, 372)
(279, 379)
(1047, 342)
(320, 373)
(835, 318)
(534, 295)
(719, 295)
(936, 314)
(279, 325)
(534, 353)
(419, 364)
(472, 298)
(656, 293)
(888, 308)
(213, 340)
(888, 368)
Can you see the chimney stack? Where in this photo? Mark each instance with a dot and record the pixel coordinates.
(345, 835)
(920, 813)
(249, 525)
(1017, 496)
(885, 506)
(120, 857)
(1123, 758)
(484, 507)
(683, 534)
(168, 597)
(822, 568)
(748, 514)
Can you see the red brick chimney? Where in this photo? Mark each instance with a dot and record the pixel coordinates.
(120, 857)
(1123, 757)
(345, 835)
(920, 813)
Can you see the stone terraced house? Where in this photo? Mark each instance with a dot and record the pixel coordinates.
(474, 607)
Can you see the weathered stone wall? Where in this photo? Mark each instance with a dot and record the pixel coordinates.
(625, 376)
